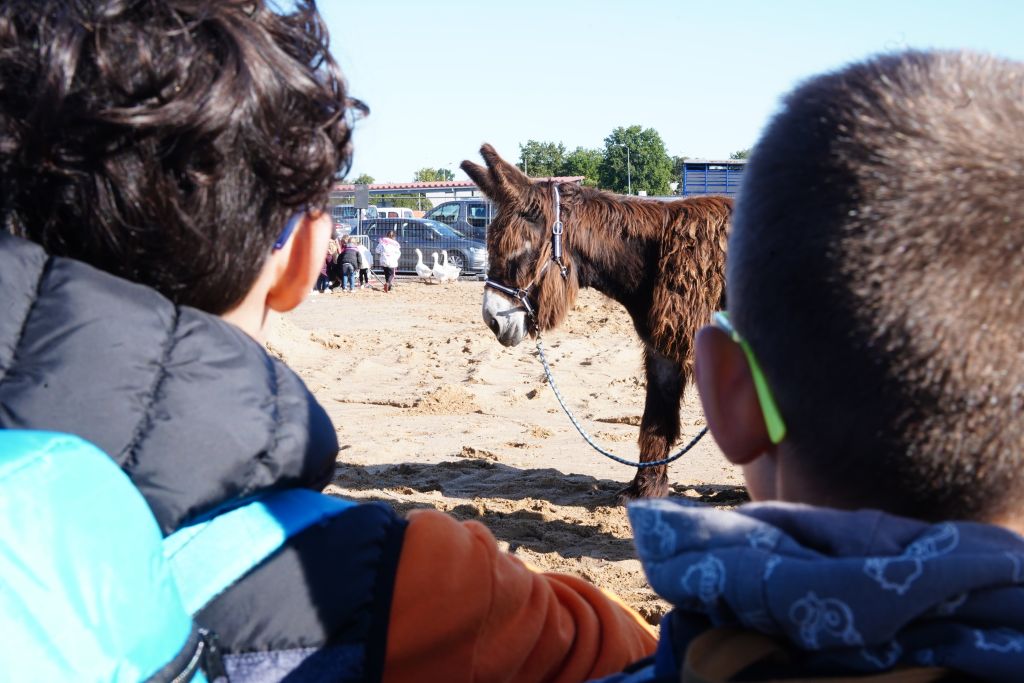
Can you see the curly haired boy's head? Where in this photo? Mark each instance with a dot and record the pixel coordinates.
(167, 141)
(876, 267)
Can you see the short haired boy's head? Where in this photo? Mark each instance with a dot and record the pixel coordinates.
(166, 141)
(876, 267)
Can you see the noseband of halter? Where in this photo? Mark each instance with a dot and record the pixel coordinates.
(522, 295)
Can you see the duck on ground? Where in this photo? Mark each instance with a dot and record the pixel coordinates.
(424, 271)
(450, 269)
(437, 270)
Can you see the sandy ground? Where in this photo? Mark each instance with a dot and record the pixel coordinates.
(432, 411)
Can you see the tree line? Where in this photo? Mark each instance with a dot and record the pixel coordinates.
(424, 175)
(632, 160)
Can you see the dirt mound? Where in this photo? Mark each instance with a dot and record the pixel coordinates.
(447, 399)
(284, 338)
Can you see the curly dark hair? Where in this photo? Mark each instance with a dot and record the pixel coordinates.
(167, 141)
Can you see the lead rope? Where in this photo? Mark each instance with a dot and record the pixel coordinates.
(586, 437)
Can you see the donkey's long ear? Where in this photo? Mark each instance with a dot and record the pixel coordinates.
(510, 180)
(570, 191)
(479, 175)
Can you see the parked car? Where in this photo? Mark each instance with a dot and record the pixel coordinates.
(346, 217)
(469, 216)
(428, 236)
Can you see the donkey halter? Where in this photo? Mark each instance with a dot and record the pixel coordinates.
(522, 295)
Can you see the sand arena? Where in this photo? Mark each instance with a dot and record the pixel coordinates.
(431, 411)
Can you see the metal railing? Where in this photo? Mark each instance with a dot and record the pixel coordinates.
(395, 213)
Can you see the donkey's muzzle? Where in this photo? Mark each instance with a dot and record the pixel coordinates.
(505, 320)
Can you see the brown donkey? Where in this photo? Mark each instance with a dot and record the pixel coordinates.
(663, 261)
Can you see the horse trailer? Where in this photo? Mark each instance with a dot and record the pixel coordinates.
(706, 176)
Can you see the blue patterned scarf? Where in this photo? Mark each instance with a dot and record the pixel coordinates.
(858, 591)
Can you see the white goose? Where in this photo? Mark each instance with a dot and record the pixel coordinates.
(437, 270)
(451, 270)
(422, 269)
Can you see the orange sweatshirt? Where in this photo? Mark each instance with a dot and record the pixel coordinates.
(462, 610)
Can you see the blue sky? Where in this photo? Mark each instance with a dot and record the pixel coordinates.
(442, 77)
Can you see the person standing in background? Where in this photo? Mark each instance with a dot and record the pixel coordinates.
(365, 263)
(349, 260)
(390, 251)
(325, 280)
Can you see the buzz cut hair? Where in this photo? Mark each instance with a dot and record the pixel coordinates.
(876, 266)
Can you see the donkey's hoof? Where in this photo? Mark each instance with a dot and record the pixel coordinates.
(651, 487)
(624, 495)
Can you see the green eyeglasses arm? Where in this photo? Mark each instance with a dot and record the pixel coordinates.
(769, 408)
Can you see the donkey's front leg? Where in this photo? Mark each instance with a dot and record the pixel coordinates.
(659, 427)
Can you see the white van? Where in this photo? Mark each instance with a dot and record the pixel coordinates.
(347, 212)
(394, 212)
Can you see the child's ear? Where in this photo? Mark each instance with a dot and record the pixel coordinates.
(298, 263)
(729, 397)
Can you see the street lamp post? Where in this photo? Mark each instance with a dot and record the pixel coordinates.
(629, 174)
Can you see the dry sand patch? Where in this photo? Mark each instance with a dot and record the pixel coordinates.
(431, 411)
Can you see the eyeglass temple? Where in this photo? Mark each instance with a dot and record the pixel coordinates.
(769, 408)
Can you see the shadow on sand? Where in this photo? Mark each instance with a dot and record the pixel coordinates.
(598, 531)
(470, 478)
(483, 478)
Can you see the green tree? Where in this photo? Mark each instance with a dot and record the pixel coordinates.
(645, 166)
(677, 170)
(433, 175)
(416, 201)
(584, 162)
(677, 166)
(740, 154)
(363, 179)
(419, 201)
(541, 159)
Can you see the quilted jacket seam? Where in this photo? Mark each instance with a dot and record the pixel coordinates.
(43, 272)
(130, 453)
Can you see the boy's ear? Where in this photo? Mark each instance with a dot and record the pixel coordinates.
(729, 397)
(297, 264)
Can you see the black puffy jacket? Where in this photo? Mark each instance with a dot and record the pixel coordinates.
(199, 415)
(350, 255)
